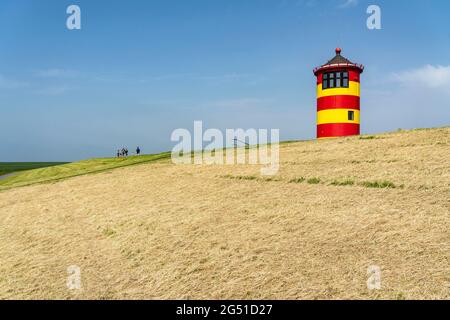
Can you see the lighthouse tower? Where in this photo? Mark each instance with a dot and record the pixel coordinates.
(338, 97)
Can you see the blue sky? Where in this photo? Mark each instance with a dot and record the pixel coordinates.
(139, 69)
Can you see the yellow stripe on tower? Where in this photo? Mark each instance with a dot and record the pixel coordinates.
(337, 116)
(352, 90)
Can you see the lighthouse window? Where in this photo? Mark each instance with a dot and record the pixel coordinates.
(344, 83)
(325, 81)
(351, 115)
(335, 80)
(331, 81)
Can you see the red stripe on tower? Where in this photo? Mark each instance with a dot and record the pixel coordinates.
(338, 102)
(330, 130)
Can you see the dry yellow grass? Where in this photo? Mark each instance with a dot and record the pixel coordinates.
(160, 230)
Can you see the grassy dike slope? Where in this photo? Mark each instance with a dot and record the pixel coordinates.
(59, 172)
(159, 230)
(10, 167)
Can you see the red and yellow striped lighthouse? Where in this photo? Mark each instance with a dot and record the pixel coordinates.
(338, 97)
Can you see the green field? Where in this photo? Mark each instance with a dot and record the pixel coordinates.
(39, 172)
(9, 167)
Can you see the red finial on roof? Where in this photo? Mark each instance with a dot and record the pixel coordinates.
(338, 50)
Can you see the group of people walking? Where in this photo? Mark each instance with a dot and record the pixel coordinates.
(124, 152)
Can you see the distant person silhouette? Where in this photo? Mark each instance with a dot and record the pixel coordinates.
(138, 151)
(118, 153)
